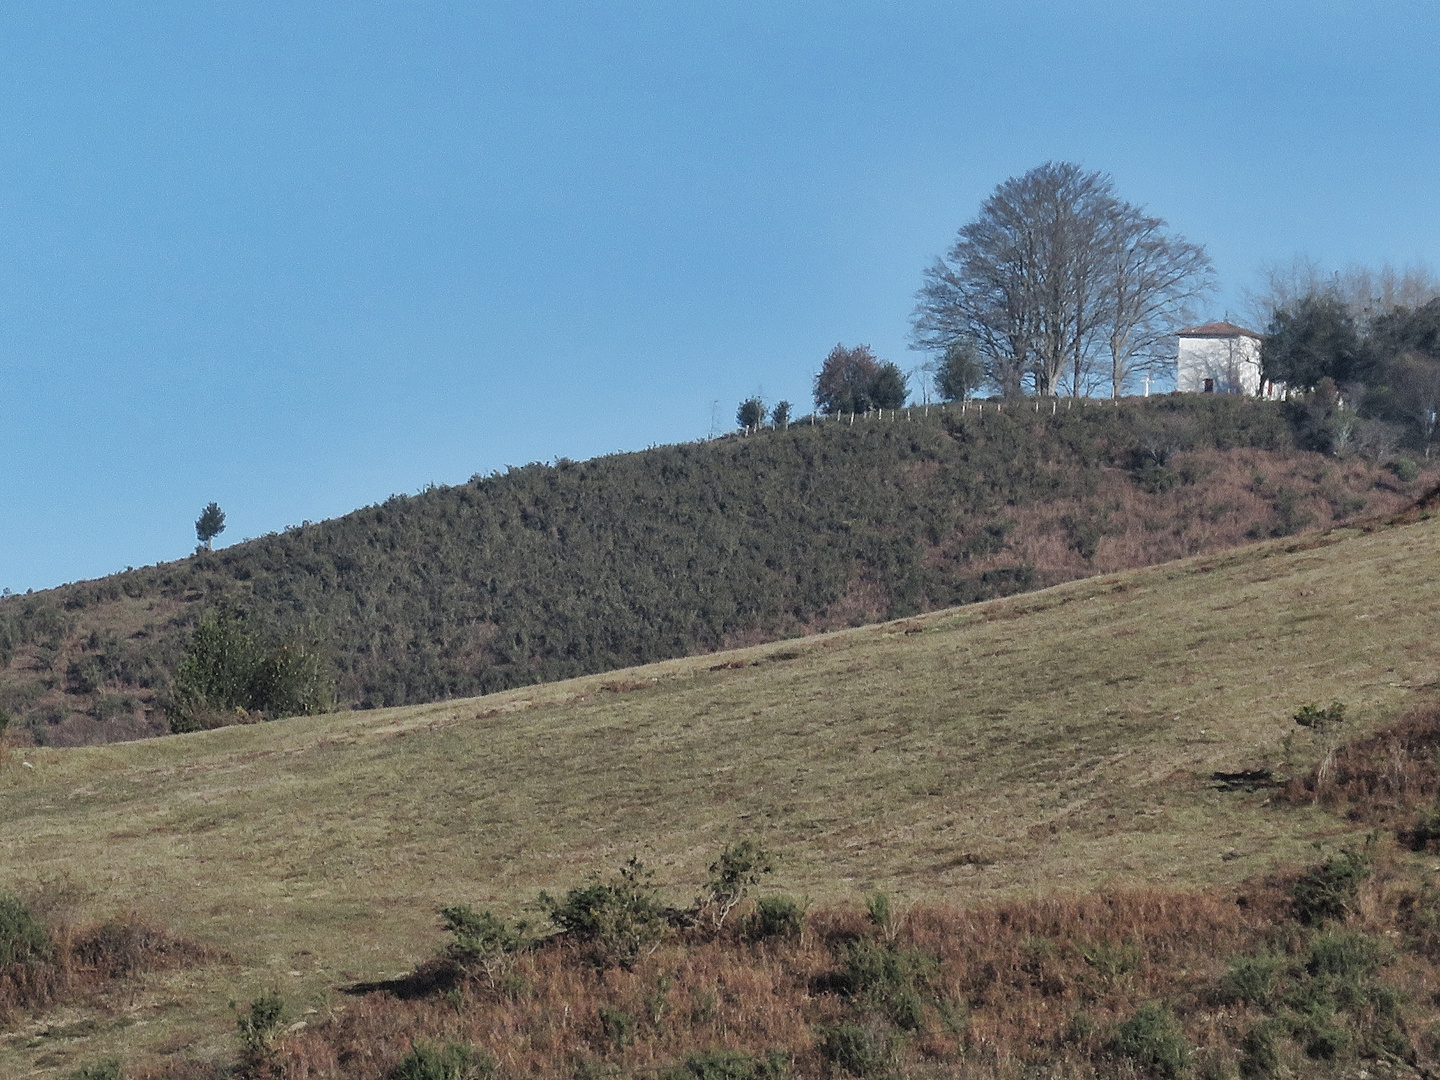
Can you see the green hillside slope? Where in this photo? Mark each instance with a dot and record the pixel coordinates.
(1059, 740)
(551, 572)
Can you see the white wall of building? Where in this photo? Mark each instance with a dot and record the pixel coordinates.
(1231, 364)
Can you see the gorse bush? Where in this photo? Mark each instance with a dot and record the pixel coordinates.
(229, 667)
(731, 1065)
(776, 917)
(104, 1069)
(1320, 719)
(1326, 892)
(484, 942)
(1152, 1039)
(1259, 1054)
(860, 1049)
(1250, 980)
(453, 1061)
(739, 869)
(889, 980)
(616, 920)
(23, 939)
(259, 1027)
(1405, 469)
(1345, 954)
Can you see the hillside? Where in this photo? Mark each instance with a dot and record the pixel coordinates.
(549, 572)
(1062, 740)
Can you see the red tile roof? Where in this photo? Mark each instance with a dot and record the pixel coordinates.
(1217, 329)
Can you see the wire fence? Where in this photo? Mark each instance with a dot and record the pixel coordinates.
(977, 406)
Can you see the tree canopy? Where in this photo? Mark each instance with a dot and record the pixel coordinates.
(1314, 339)
(1059, 284)
(210, 524)
(751, 413)
(854, 380)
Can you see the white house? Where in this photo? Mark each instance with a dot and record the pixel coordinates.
(1220, 358)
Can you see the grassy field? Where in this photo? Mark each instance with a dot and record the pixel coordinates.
(1054, 741)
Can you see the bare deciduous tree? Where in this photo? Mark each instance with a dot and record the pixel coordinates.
(1150, 284)
(1055, 269)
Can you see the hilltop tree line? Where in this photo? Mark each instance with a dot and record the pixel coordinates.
(1057, 286)
(1060, 286)
(1360, 351)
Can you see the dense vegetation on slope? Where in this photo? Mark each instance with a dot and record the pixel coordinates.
(1000, 763)
(547, 572)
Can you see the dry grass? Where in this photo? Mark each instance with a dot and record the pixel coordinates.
(1057, 741)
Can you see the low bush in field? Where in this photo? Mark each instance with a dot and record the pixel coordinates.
(452, 1061)
(776, 917)
(1153, 1040)
(106, 1069)
(616, 921)
(43, 965)
(1326, 892)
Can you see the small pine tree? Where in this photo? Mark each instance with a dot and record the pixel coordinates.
(210, 524)
(958, 374)
(751, 413)
(780, 416)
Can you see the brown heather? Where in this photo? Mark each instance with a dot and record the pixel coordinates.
(1382, 778)
(1018, 986)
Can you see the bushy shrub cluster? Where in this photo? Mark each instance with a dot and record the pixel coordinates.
(230, 669)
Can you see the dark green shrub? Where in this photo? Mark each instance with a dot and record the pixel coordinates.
(1215, 1064)
(859, 1050)
(731, 1065)
(1157, 479)
(1424, 832)
(22, 939)
(453, 1061)
(751, 413)
(1259, 1056)
(1111, 959)
(260, 1026)
(1152, 1039)
(1250, 979)
(738, 870)
(1404, 469)
(1322, 1038)
(1315, 718)
(484, 942)
(1080, 1028)
(1345, 955)
(906, 1009)
(229, 666)
(1290, 514)
(888, 979)
(877, 906)
(104, 1069)
(1327, 891)
(618, 1026)
(617, 921)
(777, 917)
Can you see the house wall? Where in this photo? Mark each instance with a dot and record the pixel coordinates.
(1232, 362)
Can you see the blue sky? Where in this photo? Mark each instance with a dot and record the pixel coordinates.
(295, 258)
